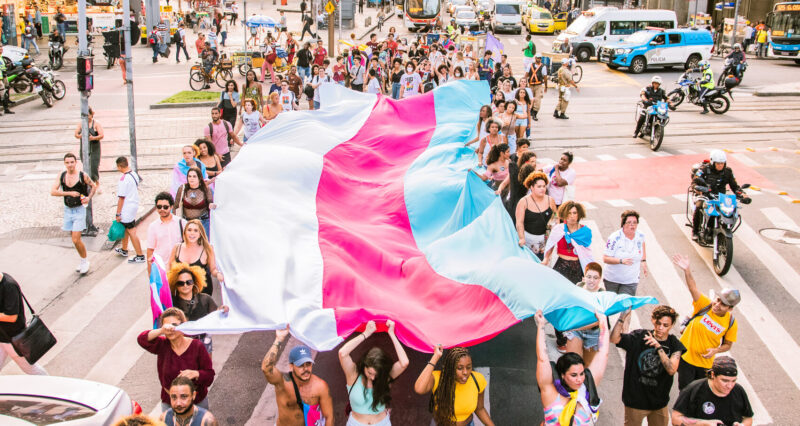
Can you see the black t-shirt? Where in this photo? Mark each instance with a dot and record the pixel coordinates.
(697, 401)
(646, 383)
(11, 304)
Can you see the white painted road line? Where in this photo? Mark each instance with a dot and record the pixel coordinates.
(653, 200)
(780, 219)
(776, 339)
(778, 267)
(577, 159)
(588, 206)
(635, 156)
(661, 154)
(116, 363)
(687, 151)
(745, 159)
(677, 296)
(606, 157)
(618, 203)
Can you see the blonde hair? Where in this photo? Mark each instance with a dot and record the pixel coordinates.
(533, 177)
(203, 240)
(195, 149)
(197, 273)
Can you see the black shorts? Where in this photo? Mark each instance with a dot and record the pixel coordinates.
(129, 225)
(687, 373)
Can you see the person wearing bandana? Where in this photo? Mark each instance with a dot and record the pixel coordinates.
(715, 400)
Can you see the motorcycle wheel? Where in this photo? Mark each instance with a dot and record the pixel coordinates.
(719, 104)
(675, 98)
(57, 62)
(724, 257)
(47, 98)
(656, 136)
(59, 90)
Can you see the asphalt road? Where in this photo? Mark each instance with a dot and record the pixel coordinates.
(615, 173)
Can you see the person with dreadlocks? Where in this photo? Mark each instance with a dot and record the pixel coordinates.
(457, 390)
(570, 397)
(370, 393)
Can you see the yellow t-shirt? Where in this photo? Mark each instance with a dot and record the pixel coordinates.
(705, 332)
(761, 36)
(466, 394)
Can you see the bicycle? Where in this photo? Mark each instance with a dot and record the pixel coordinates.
(220, 73)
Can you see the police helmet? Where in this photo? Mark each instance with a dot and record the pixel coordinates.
(718, 156)
(656, 79)
(704, 65)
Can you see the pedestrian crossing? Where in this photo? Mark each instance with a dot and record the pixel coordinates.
(763, 271)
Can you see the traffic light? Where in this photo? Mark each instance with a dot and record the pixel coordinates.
(85, 69)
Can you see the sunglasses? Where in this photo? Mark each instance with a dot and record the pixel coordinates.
(162, 207)
(184, 283)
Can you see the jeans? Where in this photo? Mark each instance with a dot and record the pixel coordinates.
(304, 72)
(155, 51)
(396, 90)
(30, 42)
(316, 104)
(224, 36)
(62, 28)
(178, 47)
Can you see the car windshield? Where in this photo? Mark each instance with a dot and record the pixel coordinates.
(507, 9)
(541, 15)
(579, 25)
(466, 15)
(783, 23)
(639, 37)
(422, 8)
(41, 410)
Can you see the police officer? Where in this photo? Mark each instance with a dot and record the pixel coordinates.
(650, 95)
(705, 83)
(717, 176)
(565, 81)
(5, 89)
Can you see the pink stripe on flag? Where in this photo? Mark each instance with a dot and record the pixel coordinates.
(372, 267)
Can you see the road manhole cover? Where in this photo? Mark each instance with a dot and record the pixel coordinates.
(780, 235)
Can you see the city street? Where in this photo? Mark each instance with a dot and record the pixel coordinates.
(97, 317)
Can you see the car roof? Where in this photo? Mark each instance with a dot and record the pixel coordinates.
(91, 394)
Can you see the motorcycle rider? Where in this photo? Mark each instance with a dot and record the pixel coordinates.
(57, 37)
(649, 96)
(738, 58)
(5, 89)
(717, 176)
(705, 83)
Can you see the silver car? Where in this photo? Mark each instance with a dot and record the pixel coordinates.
(43, 400)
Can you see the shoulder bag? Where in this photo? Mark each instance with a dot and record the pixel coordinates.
(35, 340)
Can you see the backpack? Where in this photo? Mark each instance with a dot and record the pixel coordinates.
(211, 130)
(176, 38)
(702, 312)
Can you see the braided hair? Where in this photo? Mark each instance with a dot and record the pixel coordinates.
(444, 397)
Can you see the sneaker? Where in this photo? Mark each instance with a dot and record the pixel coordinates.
(137, 259)
(563, 116)
(121, 252)
(84, 266)
(555, 114)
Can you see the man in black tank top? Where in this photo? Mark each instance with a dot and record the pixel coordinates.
(77, 190)
(183, 410)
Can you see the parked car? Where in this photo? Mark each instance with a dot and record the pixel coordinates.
(14, 53)
(609, 25)
(44, 400)
(658, 48)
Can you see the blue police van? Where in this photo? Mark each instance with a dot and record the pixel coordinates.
(658, 48)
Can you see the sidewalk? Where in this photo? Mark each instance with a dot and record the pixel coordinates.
(787, 89)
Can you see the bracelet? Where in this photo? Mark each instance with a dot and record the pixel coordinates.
(644, 260)
(364, 336)
(432, 364)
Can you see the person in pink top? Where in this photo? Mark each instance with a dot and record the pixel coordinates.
(164, 233)
(178, 355)
(218, 132)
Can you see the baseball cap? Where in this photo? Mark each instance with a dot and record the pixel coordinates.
(300, 355)
(724, 366)
(728, 296)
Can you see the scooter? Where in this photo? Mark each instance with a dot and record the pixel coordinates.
(716, 98)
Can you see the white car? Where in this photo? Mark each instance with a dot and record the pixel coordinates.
(467, 19)
(42, 400)
(460, 9)
(14, 53)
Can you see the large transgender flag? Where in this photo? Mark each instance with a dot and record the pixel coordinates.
(366, 209)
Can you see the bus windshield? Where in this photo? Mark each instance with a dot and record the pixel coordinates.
(785, 20)
(422, 8)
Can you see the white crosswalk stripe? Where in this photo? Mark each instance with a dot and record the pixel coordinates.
(635, 156)
(618, 203)
(653, 200)
(780, 219)
(687, 151)
(606, 157)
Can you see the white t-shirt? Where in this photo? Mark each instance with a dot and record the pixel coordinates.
(410, 84)
(557, 192)
(251, 123)
(128, 187)
(619, 246)
(286, 100)
(374, 86)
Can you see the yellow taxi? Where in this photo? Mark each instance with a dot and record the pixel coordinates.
(539, 20)
(560, 21)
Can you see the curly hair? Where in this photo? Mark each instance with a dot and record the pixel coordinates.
(662, 311)
(198, 276)
(533, 177)
(563, 211)
(525, 156)
(524, 171)
(494, 153)
(444, 397)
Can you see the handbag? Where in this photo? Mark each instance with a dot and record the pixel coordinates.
(309, 91)
(35, 340)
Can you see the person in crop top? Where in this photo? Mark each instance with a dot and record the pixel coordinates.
(458, 391)
(369, 380)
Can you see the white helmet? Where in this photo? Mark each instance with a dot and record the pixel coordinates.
(718, 156)
(565, 60)
(656, 79)
(703, 65)
(737, 46)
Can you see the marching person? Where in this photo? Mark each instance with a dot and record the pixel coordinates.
(183, 410)
(714, 400)
(12, 322)
(77, 190)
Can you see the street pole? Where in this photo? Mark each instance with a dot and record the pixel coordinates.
(330, 33)
(126, 26)
(339, 9)
(695, 13)
(245, 27)
(83, 50)
(735, 23)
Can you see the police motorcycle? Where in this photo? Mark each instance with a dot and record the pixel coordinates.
(688, 89)
(720, 218)
(657, 118)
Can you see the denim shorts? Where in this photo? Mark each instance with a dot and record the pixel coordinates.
(591, 338)
(522, 122)
(74, 219)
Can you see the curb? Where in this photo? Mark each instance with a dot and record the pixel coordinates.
(184, 105)
(771, 94)
(26, 99)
